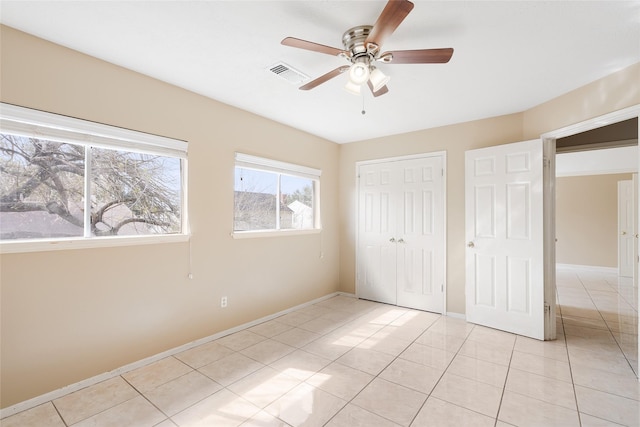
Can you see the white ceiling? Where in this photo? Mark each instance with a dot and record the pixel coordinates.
(509, 55)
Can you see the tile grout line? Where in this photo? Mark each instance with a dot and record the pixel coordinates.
(382, 370)
(506, 378)
(342, 324)
(443, 373)
(374, 376)
(573, 384)
(147, 399)
(603, 319)
(58, 412)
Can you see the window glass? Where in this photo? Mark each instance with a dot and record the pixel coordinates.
(274, 195)
(297, 195)
(41, 188)
(134, 193)
(255, 200)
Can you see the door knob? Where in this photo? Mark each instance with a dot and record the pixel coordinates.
(392, 240)
(624, 233)
(471, 245)
(401, 241)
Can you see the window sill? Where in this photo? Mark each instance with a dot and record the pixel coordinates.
(45, 245)
(272, 233)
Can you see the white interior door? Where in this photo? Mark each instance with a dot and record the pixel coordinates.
(505, 240)
(420, 240)
(376, 256)
(401, 233)
(626, 229)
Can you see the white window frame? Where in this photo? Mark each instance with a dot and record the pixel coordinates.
(279, 167)
(27, 122)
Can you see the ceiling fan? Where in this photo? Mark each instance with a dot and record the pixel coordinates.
(362, 48)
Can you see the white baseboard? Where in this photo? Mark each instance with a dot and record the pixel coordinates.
(456, 315)
(593, 268)
(347, 294)
(55, 394)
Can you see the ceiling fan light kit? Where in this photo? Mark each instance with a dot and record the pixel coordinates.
(359, 73)
(362, 49)
(378, 79)
(352, 88)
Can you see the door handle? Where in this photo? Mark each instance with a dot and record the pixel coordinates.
(401, 241)
(392, 240)
(471, 245)
(624, 233)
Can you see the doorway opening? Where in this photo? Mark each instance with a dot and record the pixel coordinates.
(590, 158)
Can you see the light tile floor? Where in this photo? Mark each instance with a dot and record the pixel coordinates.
(345, 362)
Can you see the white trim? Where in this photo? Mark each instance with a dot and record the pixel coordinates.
(44, 398)
(594, 268)
(251, 234)
(61, 244)
(597, 122)
(246, 160)
(549, 239)
(445, 286)
(456, 315)
(347, 294)
(597, 162)
(400, 158)
(34, 123)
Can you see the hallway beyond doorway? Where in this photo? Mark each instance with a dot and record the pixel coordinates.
(600, 308)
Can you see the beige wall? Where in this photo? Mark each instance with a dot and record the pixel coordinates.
(587, 220)
(614, 92)
(70, 315)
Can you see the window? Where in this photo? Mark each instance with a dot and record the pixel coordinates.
(274, 196)
(67, 179)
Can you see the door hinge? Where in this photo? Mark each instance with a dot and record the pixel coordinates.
(442, 287)
(441, 172)
(546, 162)
(547, 308)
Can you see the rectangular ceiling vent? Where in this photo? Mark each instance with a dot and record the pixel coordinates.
(288, 73)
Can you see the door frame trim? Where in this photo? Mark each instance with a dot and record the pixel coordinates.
(443, 155)
(583, 126)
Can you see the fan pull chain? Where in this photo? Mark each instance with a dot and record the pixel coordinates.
(363, 111)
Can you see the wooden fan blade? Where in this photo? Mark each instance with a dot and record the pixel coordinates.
(381, 91)
(391, 17)
(420, 56)
(315, 47)
(325, 77)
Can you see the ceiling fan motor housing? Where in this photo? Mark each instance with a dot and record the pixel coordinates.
(354, 42)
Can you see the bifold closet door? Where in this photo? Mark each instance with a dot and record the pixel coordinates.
(401, 238)
(420, 231)
(376, 260)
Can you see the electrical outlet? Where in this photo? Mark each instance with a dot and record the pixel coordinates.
(223, 302)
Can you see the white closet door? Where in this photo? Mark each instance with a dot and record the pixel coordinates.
(420, 234)
(376, 263)
(401, 236)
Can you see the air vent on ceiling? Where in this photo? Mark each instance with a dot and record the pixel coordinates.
(288, 73)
